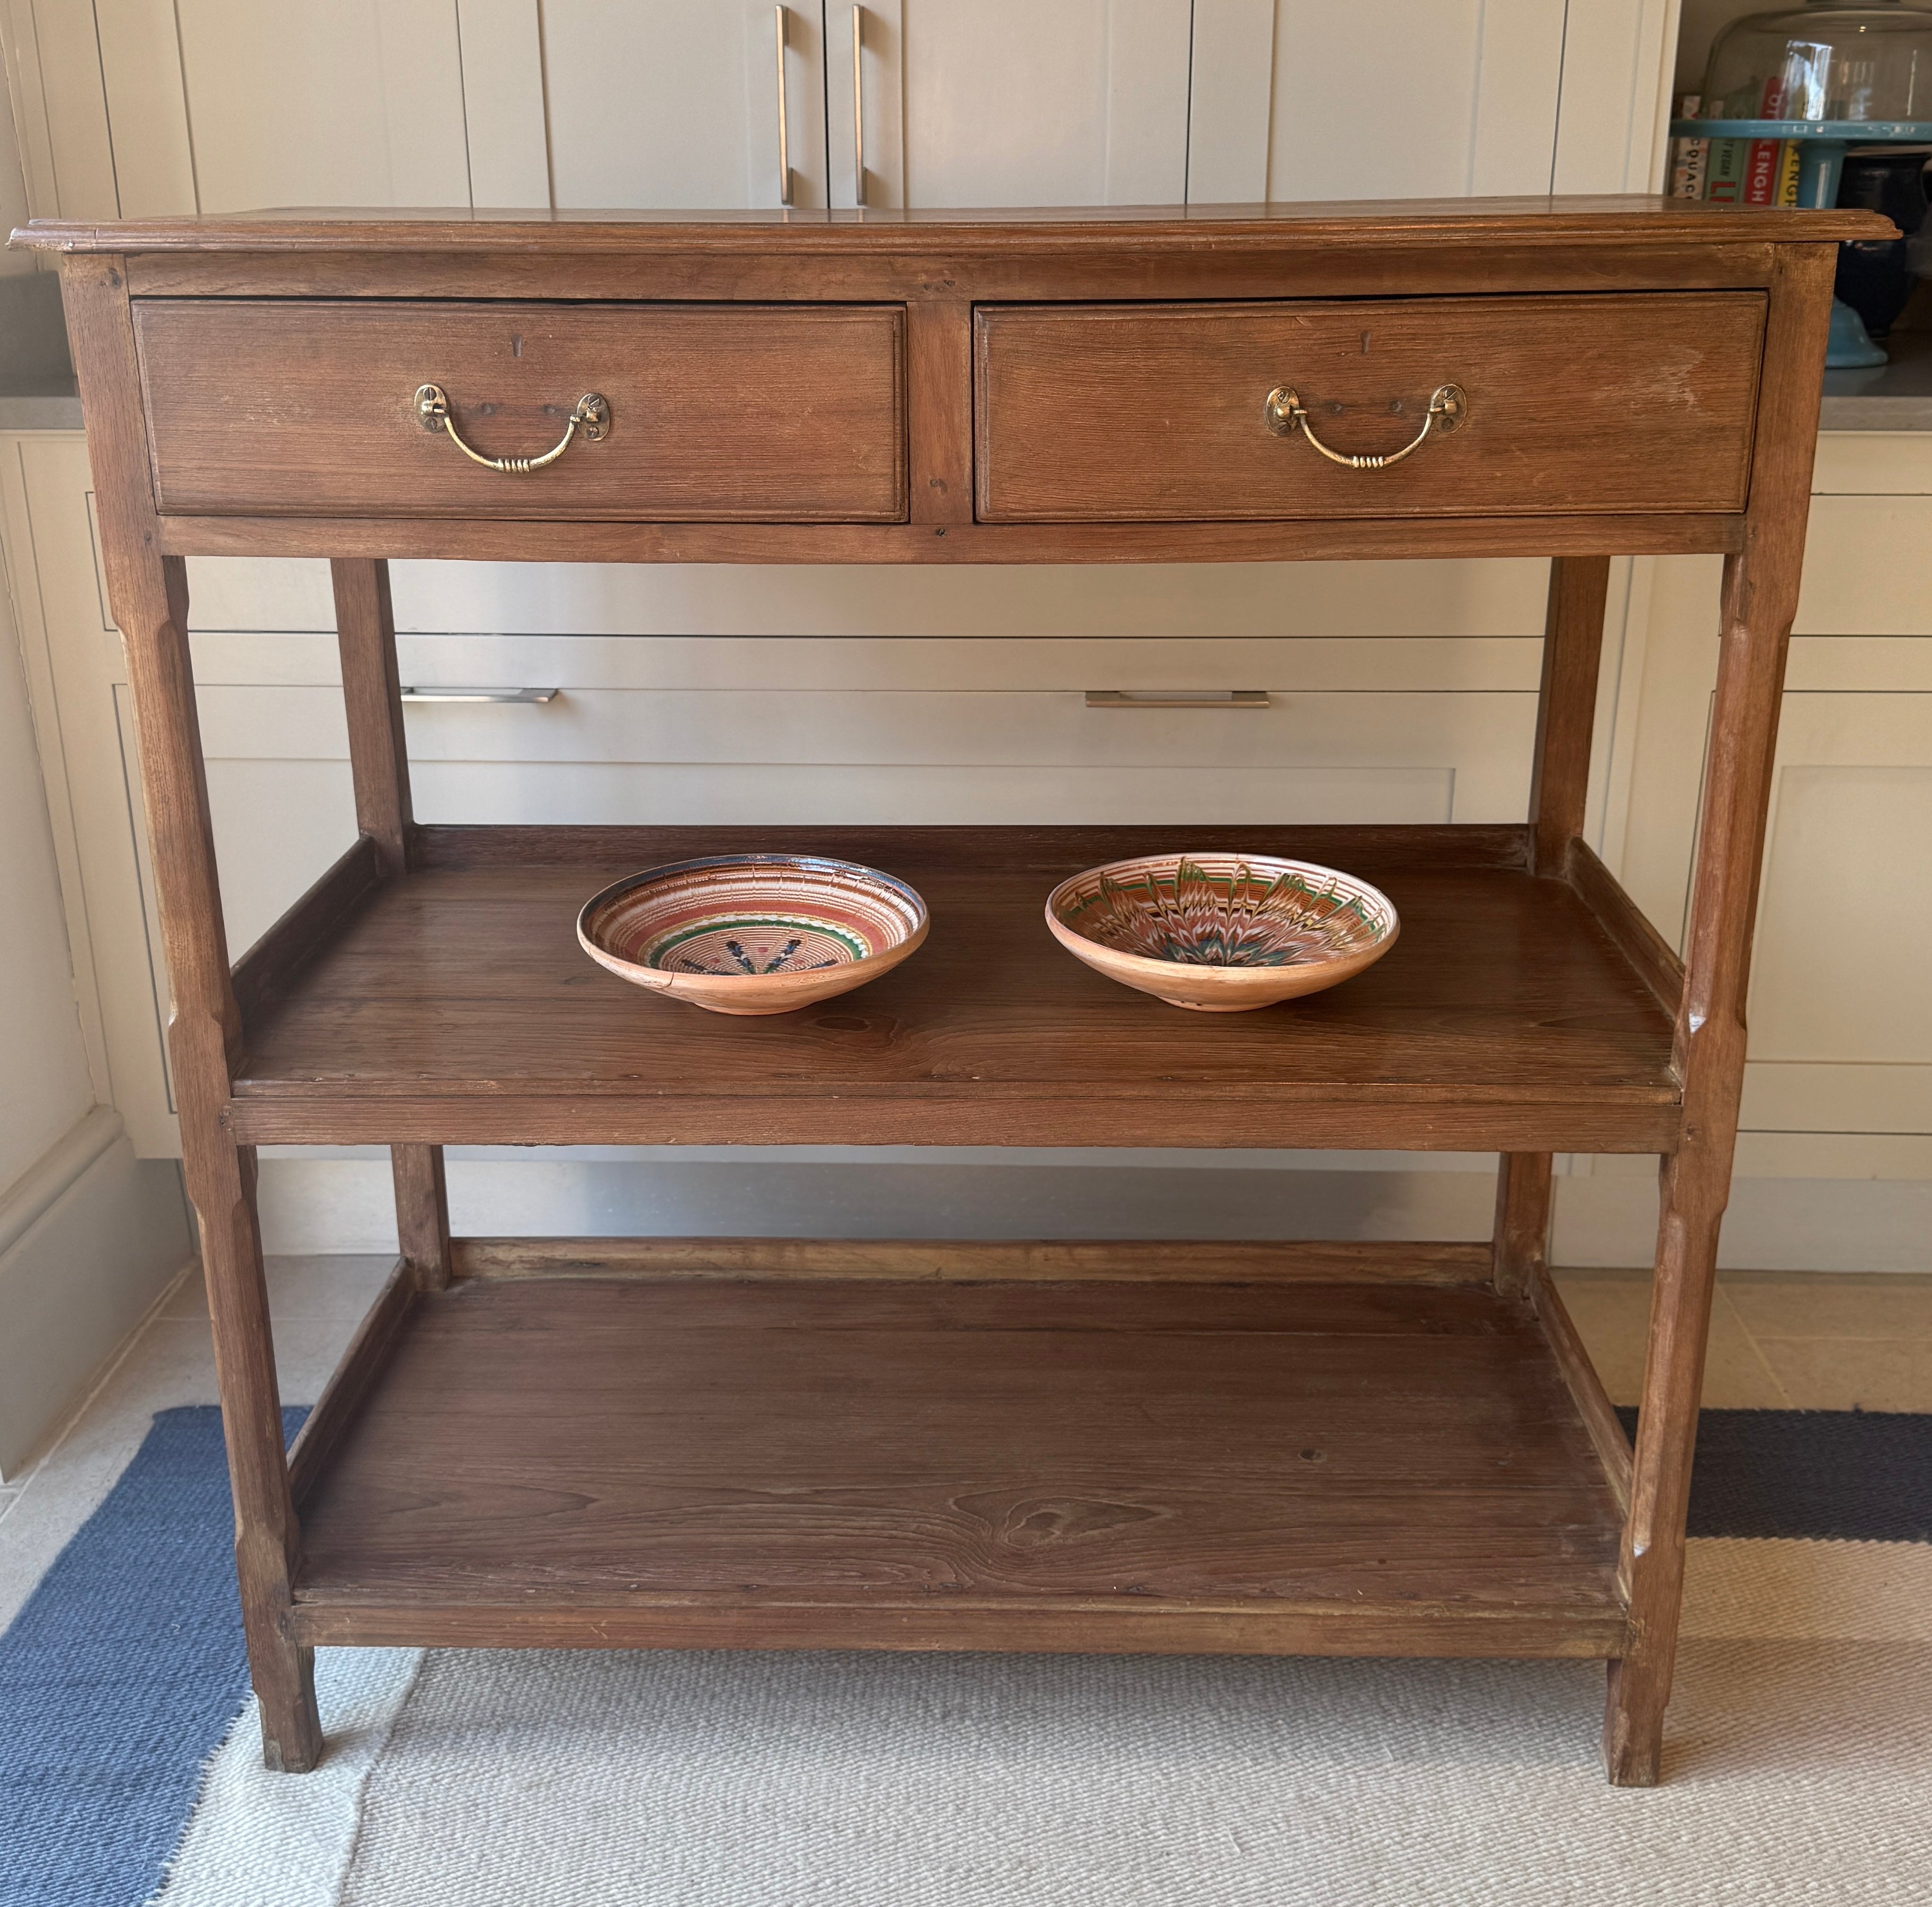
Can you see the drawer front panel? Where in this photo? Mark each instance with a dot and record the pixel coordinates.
(717, 413)
(1158, 413)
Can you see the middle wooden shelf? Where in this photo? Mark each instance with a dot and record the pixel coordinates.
(452, 1004)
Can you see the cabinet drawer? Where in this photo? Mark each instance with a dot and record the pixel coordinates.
(1158, 413)
(717, 413)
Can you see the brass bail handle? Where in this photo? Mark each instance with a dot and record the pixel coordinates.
(1448, 407)
(591, 416)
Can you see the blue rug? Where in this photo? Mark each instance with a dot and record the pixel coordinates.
(120, 1675)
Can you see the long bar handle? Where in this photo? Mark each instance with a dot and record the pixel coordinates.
(1177, 699)
(1448, 405)
(784, 140)
(858, 110)
(424, 692)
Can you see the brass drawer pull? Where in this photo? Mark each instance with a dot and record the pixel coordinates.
(592, 414)
(1447, 407)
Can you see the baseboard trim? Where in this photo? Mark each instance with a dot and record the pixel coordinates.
(53, 1171)
(90, 1237)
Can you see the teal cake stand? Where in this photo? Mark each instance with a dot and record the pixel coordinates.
(1822, 144)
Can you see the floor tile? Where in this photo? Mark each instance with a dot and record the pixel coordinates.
(1612, 1313)
(1830, 1304)
(1853, 1373)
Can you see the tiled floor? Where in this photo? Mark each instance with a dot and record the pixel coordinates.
(1826, 1341)
(1779, 1340)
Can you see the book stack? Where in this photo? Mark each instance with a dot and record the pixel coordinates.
(1738, 172)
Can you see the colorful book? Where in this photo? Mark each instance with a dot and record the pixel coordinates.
(1688, 157)
(1764, 169)
(1787, 174)
(1724, 170)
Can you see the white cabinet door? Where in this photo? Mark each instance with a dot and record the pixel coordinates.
(1380, 99)
(324, 103)
(1009, 103)
(678, 103)
(1840, 1072)
(77, 679)
(1839, 1083)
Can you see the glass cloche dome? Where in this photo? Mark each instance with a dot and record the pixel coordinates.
(1824, 61)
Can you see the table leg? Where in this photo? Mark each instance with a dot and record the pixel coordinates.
(422, 1213)
(150, 601)
(1521, 1238)
(1760, 600)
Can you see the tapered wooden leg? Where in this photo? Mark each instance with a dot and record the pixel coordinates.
(1573, 640)
(422, 1213)
(1521, 1240)
(267, 1541)
(1696, 1184)
(149, 595)
(1760, 598)
(378, 755)
(1566, 709)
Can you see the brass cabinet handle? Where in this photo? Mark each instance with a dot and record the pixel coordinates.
(1448, 406)
(591, 416)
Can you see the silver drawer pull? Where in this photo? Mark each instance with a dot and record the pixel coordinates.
(411, 694)
(1177, 699)
(784, 140)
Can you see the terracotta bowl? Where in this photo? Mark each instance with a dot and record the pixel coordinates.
(753, 933)
(1222, 933)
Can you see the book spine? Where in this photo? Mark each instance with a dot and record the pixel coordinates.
(1724, 174)
(1787, 175)
(1688, 157)
(1762, 168)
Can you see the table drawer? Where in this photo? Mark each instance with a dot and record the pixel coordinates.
(716, 412)
(1160, 412)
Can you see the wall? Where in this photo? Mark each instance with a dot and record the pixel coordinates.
(13, 187)
(89, 1236)
(43, 1061)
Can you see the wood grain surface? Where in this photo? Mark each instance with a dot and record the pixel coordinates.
(1219, 1261)
(1281, 261)
(789, 413)
(1114, 1451)
(1600, 219)
(1115, 412)
(508, 539)
(466, 983)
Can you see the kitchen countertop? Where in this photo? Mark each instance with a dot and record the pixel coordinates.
(37, 391)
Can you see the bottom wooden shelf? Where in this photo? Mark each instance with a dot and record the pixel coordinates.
(574, 1453)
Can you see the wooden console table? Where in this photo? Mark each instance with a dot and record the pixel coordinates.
(1344, 1449)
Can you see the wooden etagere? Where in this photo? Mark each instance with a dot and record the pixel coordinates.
(1348, 1449)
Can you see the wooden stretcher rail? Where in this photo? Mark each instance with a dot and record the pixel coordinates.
(1200, 1261)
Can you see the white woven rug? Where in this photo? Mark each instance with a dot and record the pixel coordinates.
(1800, 1769)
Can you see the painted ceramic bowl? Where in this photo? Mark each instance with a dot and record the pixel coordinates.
(753, 933)
(1222, 933)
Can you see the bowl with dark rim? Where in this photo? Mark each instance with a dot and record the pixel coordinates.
(1223, 932)
(753, 933)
